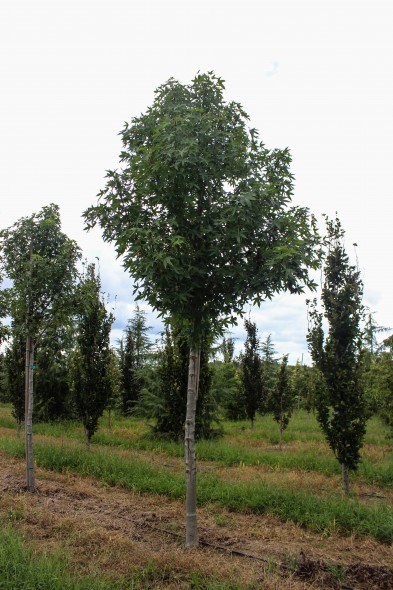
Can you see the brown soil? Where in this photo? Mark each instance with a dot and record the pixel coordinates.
(119, 533)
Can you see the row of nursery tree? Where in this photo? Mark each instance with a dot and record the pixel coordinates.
(78, 375)
(201, 212)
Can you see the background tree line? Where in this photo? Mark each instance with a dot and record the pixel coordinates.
(78, 375)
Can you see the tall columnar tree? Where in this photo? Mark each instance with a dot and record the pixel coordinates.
(340, 403)
(40, 260)
(90, 374)
(114, 377)
(129, 380)
(283, 399)
(136, 347)
(269, 364)
(200, 211)
(252, 373)
(140, 331)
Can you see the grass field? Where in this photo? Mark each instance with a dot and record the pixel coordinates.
(243, 476)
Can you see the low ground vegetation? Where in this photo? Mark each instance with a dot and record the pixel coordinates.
(278, 505)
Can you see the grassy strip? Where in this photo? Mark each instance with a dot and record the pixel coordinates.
(7, 421)
(327, 515)
(24, 569)
(225, 452)
(232, 454)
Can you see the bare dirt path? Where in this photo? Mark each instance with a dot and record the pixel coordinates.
(119, 533)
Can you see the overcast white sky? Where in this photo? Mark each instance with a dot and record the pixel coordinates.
(314, 75)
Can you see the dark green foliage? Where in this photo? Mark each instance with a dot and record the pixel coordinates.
(370, 331)
(253, 387)
(172, 373)
(14, 364)
(228, 349)
(375, 371)
(51, 385)
(227, 389)
(305, 382)
(129, 381)
(207, 410)
(269, 364)
(226, 384)
(90, 365)
(378, 382)
(135, 350)
(340, 401)
(4, 395)
(387, 344)
(114, 376)
(282, 400)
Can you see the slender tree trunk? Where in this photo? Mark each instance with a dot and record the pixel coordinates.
(281, 436)
(30, 475)
(345, 478)
(189, 447)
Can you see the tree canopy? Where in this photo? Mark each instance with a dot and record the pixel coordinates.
(40, 260)
(200, 208)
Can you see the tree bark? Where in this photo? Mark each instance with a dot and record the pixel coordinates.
(30, 475)
(189, 447)
(345, 478)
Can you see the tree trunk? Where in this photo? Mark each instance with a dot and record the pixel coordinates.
(281, 429)
(345, 478)
(189, 447)
(30, 475)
